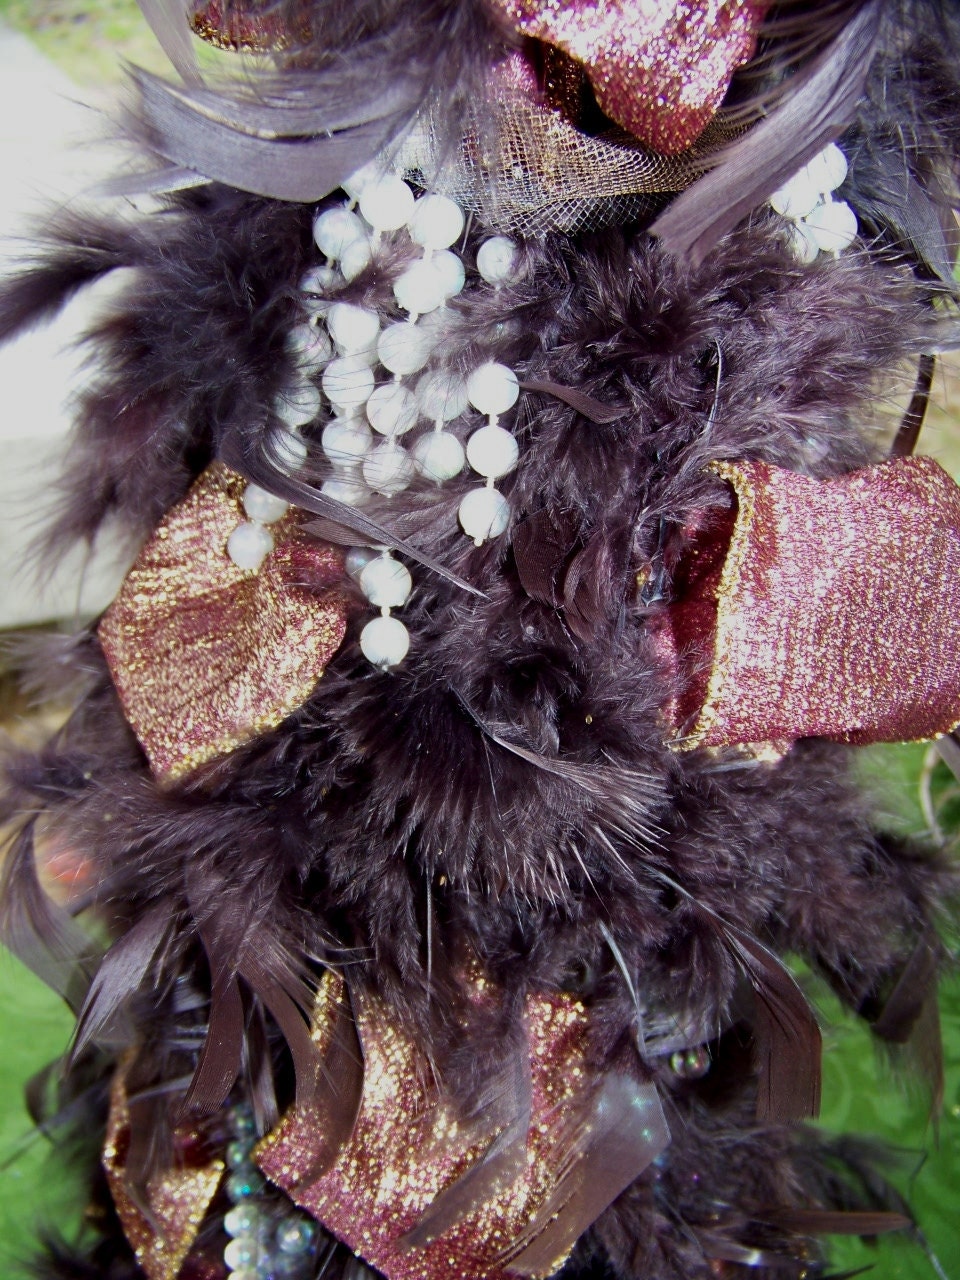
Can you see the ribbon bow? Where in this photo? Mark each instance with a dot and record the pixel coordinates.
(659, 70)
(206, 655)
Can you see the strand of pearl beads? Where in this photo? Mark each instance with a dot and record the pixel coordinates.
(819, 223)
(387, 584)
(251, 542)
(270, 1239)
(491, 451)
(348, 383)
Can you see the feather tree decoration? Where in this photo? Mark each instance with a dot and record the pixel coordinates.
(504, 799)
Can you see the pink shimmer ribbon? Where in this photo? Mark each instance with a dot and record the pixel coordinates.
(833, 612)
(660, 70)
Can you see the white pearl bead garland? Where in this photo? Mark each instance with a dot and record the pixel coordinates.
(334, 230)
(289, 449)
(387, 584)
(343, 342)
(493, 388)
(439, 455)
(497, 260)
(346, 440)
(436, 222)
(251, 542)
(260, 504)
(392, 409)
(386, 203)
(348, 382)
(404, 348)
(388, 469)
(820, 223)
(249, 545)
(298, 405)
(385, 642)
(353, 329)
(492, 452)
(483, 513)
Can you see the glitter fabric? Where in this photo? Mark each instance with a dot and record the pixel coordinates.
(408, 1147)
(836, 611)
(659, 70)
(251, 27)
(206, 655)
(177, 1200)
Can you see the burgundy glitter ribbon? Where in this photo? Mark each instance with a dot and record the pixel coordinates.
(659, 70)
(205, 655)
(834, 610)
(422, 1194)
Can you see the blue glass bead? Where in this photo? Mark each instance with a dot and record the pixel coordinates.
(690, 1064)
(295, 1235)
(241, 1186)
(238, 1152)
(242, 1123)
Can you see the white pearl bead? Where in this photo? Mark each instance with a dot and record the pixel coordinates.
(239, 1253)
(493, 388)
(450, 270)
(392, 409)
(439, 455)
(243, 1220)
(298, 405)
(805, 248)
(260, 504)
(357, 256)
(386, 582)
(289, 450)
(384, 642)
(346, 439)
(358, 182)
(796, 198)
(419, 289)
(388, 469)
(249, 545)
(309, 346)
(497, 260)
(348, 489)
(404, 348)
(436, 222)
(833, 225)
(386, 203)
(318, 280)
(314, 285)
(334, 229)
(356, 560)
(347, 382)
(483, 513)
(492, 452)
(352, 328)
(827, 170)
(442, 396)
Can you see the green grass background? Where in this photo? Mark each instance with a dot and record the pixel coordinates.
(860, 1092)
